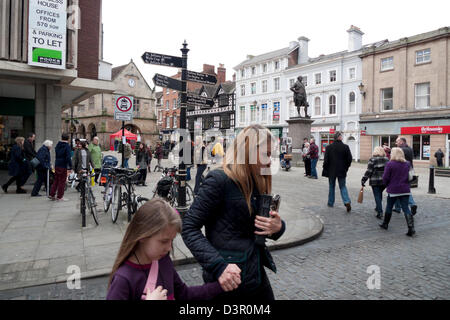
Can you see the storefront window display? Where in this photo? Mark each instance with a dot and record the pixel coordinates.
(421, 147)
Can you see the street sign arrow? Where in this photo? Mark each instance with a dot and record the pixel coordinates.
(201, 77)
(167, 82)
(199, 100)
(162, 60)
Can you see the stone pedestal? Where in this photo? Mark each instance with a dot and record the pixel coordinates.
(299, 129)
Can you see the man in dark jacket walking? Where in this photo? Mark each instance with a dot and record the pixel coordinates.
(338, 159)
(439, 155)
(409, 156)
(313, 154)
(63, 162)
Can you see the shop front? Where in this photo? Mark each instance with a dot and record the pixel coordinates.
(324, 137)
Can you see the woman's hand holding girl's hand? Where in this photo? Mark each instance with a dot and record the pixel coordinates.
(268, 226)
(230, 278)
(157, 294)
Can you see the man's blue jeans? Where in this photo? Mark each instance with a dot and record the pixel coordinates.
(313, 167)
(378, 195)
(398, 206)
(342, 187)
(125, 163)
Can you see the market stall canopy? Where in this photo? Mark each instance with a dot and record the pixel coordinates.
(118, 136)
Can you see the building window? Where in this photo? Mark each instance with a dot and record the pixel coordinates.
(333, 76)
(276, 84)
(305, 80)
(242, 73)
(264, 113)
(160, 115)
(252, 114)
(352, 73)
(224, 101)
(318, 77)
(174, 103)
(352, 102)
(167, 122)
(253, 88)
(167, 105)
(264, 67)
(317, 106)
(225, 121)
(387, 64)
(242, 115)
(332, 102)
(137, 105)
(421, 147)
(243, 90)
(175, 122)
(91, 103)
(253, 71)
(277, 65)
(276, 112)
(423, 56)
(389, 141)
(387, 99)
(264, 86)
(423, 95)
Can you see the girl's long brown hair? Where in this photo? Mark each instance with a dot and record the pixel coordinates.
(151, 218)
(246, 174)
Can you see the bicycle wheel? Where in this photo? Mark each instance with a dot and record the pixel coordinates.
(92, 205)
(116, 202)
(107, 197)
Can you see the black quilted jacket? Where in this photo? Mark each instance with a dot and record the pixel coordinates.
(221, 208)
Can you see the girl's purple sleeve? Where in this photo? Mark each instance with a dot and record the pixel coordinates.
(207, 291)
(119, 289)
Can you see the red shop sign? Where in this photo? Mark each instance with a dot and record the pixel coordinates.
(332, 131)
(426, 130)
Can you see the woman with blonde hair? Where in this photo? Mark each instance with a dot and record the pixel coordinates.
(375, 171)
(396, 180)
(226, 205)
(18, 167)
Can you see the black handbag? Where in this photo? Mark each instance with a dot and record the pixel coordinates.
(35, 162)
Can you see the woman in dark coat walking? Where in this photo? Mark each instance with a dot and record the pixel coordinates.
(142, 163)
(375, 171)
(18, 167)
(226, 206)
(43, 155)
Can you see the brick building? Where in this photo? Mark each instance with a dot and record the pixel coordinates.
(95, 116)
(38, 82)
(406, 93)
(169, 112)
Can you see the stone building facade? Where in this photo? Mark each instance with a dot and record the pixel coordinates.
(95, 116)
(406, 93)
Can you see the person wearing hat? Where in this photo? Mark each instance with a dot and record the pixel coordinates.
(338, 159)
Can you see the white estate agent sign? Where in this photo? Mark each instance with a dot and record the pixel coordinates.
(47, 33)
(123, 108)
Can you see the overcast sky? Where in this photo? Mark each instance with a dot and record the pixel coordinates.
(226, 31)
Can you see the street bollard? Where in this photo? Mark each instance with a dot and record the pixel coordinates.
(431, 189)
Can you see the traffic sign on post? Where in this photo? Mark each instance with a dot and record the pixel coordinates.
(162, 60)
(201, 77)
(123, 108)
(167, 82)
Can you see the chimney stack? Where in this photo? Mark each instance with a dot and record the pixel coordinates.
(234, 77)
(303, 56)
(209, 69)
(354, 38)
(221, 74)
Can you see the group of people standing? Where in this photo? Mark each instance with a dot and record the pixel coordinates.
(310, 154)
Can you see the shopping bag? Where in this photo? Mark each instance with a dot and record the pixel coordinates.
(361, 195)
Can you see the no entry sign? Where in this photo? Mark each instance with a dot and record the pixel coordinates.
(123, 108)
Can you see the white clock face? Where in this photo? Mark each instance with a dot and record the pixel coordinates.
(131, 83)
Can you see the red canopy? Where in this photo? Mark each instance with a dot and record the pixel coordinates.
(130, 137)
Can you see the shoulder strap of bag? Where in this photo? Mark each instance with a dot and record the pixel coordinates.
(151, 280)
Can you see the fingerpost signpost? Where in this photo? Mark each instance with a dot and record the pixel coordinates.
(181, 86)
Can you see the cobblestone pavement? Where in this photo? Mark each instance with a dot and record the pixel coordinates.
(335, 265)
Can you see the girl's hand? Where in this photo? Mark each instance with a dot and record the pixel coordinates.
(268, 226)
(157, 294)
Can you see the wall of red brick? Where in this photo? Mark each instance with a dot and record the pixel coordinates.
(89, 39)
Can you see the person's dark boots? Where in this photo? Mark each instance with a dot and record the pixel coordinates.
(348, 206)
(380, 216)
(5, 188)
(20, 191)
(387, 219)
(410, 221)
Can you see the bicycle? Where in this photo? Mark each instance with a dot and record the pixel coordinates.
(171, 195)
(125, 178)
(87, 199)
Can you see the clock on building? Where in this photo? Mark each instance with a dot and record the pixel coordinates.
(131, 83)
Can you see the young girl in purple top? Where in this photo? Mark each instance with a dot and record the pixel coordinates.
(149, 238)
(396, 180)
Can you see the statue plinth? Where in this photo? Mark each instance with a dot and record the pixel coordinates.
(299, 129)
